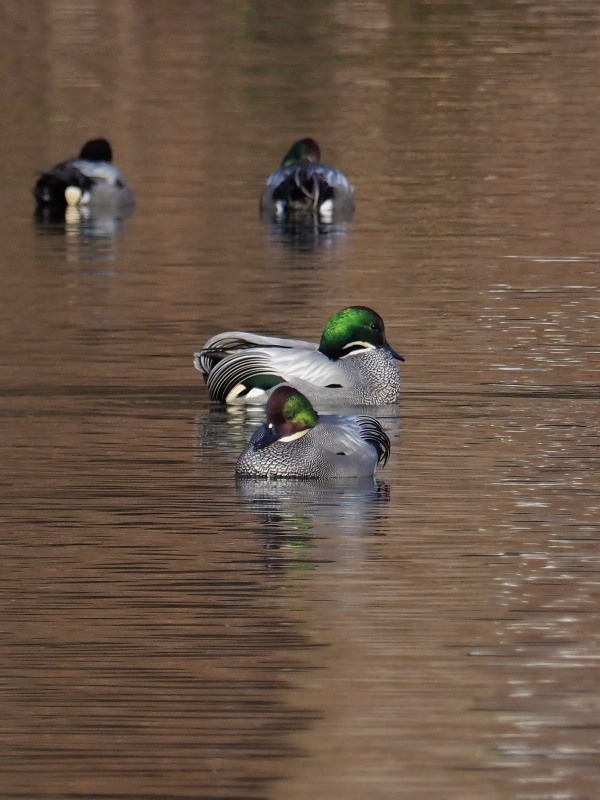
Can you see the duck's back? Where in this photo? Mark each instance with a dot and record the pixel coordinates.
(307, 188)
(370, 377)
(335, 448)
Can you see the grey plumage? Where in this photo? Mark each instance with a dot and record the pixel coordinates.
(337, 447)
(101, 184)
(237, 359)
(302, 188)
(307, 189)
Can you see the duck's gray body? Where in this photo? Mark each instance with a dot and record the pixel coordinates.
(366, 377)
(109, 189)
(337, 447)
(307, 189)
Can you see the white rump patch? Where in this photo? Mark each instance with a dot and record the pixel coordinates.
(326, 211)
(73, 195)
(241, 388)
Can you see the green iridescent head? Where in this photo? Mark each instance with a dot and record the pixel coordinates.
(289, 411)
(302, 150)
(353, 329)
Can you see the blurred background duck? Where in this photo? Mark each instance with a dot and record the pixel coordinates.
(303, 187)
(90, 180)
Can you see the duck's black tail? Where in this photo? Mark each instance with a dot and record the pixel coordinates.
(50, 187)
(303, 191)
(373, 433)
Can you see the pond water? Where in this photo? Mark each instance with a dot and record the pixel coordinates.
(169, 632)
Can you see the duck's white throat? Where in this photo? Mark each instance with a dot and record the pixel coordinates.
(358, 346)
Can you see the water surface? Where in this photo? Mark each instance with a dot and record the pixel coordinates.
(171, 632)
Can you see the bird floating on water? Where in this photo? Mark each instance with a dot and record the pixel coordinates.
(296, 442)
(90, 180)
(353, 364)
(303, 187)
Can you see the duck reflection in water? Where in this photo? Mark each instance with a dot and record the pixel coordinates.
(306, 236)
(295, 516)
(82, 222)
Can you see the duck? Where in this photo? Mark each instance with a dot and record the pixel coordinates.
(90, 180)
(353, 364)
(296, 442)
(303, 187)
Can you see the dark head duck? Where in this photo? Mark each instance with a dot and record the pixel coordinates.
(304, 188)
(89, 180)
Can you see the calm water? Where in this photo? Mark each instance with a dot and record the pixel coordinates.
(433, 634)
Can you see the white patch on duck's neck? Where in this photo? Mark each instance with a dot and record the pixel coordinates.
(362, 345)
(293, 436)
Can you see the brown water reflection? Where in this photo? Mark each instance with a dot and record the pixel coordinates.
(169, 632)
